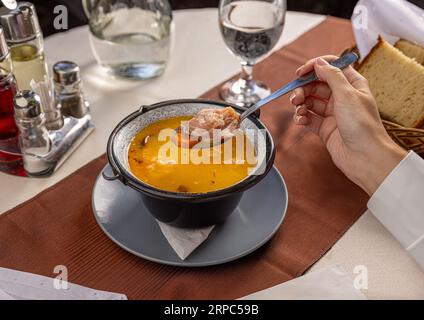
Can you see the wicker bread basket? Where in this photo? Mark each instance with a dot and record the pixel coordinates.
(407, 138)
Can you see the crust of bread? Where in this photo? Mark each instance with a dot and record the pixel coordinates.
(411, 49)
(403, 40)
(373, 50)
(419, 123)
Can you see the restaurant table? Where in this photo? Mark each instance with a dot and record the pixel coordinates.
(198, 62)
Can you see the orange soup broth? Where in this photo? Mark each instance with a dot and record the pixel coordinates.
(166, 166)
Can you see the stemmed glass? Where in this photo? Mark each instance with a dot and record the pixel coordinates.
(250, 28)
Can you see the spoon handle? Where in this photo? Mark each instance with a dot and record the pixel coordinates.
(341, 63)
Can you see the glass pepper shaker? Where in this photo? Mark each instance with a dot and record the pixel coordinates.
(34, 138)
(68, 89)
(24, 37)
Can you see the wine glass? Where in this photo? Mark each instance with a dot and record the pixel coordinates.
(250, 28)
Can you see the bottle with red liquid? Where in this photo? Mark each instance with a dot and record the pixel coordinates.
(9, 163)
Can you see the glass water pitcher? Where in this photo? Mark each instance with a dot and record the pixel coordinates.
(130, 38)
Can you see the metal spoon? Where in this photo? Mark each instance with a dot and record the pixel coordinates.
(341, 63)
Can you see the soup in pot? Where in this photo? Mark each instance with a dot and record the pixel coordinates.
(157, 161)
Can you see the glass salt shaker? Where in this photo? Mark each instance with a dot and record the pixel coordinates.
(68, 89)
(34, 138)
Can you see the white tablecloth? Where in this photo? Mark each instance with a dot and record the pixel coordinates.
(198, 62)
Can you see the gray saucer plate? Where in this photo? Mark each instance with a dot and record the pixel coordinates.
(121, 214)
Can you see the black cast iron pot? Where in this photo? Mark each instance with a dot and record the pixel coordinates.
(179, 209)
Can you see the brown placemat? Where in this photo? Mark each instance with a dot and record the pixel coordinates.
(57, 227)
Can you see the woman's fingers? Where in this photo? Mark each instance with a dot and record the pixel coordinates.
(353, 76)
(322, 127)
(318, 90)
(340, 86)
(309, 66)
(357, 80)
(318, 106)
(310, 120)
(301, 110)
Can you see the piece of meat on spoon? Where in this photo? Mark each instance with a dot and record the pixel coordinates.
(206, 121)
(215, 119)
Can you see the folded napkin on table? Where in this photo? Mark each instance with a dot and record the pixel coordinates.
(327, 284)
(184, 241)
(5, 296)
(392, 19)
(17, 285)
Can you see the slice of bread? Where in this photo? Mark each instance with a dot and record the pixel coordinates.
(411, 50)
(397, 84)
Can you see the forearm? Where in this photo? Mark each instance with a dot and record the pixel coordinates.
(383, 158)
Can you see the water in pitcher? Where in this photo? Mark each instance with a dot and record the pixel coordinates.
(132, 42)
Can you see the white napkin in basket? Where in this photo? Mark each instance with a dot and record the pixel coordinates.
(392, 19)
(184, 241)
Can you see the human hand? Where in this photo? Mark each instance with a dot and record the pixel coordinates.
(342, 111)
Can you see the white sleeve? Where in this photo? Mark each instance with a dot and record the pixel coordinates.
(399, 205)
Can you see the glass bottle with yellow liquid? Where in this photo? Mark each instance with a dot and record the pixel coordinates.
(24, 37)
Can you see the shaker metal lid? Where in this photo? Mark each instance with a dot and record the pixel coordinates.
(4, 49)
(20, 24)
(66, 73)
(27, 104)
